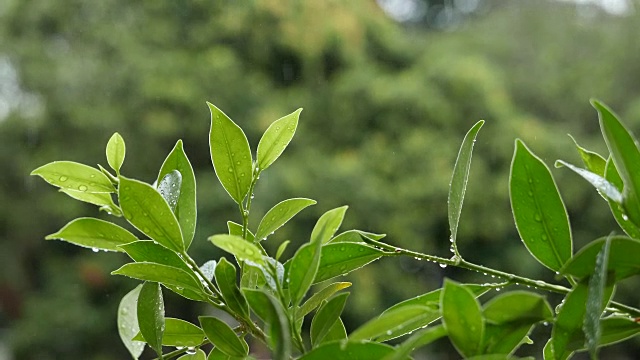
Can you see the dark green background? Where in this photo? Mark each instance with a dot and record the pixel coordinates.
(386, 105)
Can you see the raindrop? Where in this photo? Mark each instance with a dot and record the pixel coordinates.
(625, 217)
(530, 193)
(498, 289)
(530, 181)
(452, 249)
(451, 239)
(92, 176)
(230, 169)
(95, 250)
(388, 332)
(191, 350)
(63, 178)
(443, 265)
(537, 217)
(83, 188)
(545, 323)
(544, 237)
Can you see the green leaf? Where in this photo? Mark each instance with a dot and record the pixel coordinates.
(611, 174)
(226, 280)
(593, 161)
(337, 332)
(316, 299)
(128, 322)
(150, 251)
(568, 325)
(267, 308)
(239, 247)
(74, 176)
(145, 209)
(328, 224)
(236, 229)
(603, 186)
(230, 154)
(116, 151)
(418, 339)
(327, 315)
(281, 248)
(349, 351)
(458, 184)
(280, 214)
(197, 355)
(538, 210)
(103, 200)
(167, 275)
(614, 329)
(431, 301)
(216, 354)
(626, 156)
(276, 138)
(595, 300)
(623, 259)
(509, 318)
(356, 236)
(185, 210)
(94, 233)
(341, 258)
(394, 323)
(169, 188)
(178, 332)
(302, 270)
(223, 337)
(462, 318)
(151, 315)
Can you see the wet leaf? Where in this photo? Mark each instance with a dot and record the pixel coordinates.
(227, 283)
(236, 229)
(593, 161)
(104, 200)
(341, 258)
(614, 329)
(276, 138)
(356, 236)
(328, 224)
(611, 174)
(595, 300)
(74, 176)
(280, 214)
(326, 316)
(185, 209)
(349, 351)
(267, 308)
(462, 318)
(230, 154)
(626, 156)
(94, 233)
(316, 299)
(164, 274)
(145, 209)
(151, 315)
(394, 323)
(458, 184)
(417, 340)
(180, 333)
(197, 355)
(116, 151)
(223, 337)
(169, 188)
(603, 186)
(623, 259)
(302, 270)
(128, 322)
(239, 247)
(538, 210)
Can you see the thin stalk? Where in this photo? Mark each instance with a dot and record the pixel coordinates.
(508, 277)
(196, 268)
(245, 209)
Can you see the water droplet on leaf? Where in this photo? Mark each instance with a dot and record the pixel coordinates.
(63, 178)
(83, 188)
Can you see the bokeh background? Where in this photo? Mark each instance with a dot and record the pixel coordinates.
(388, 87)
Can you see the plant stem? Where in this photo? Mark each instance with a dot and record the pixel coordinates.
(214, 290)
(510, 278)
(246, 209)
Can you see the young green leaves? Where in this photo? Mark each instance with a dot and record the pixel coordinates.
(151, 315)
(69, 175)
(538, 210)
(116, 151)
(276, 138)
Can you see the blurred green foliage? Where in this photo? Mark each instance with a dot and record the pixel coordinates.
(386, 107)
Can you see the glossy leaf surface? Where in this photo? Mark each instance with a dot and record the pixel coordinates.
(276, 138)
(614, 329)
(595, 300)
(94, 233)
(328, 224)
(151, 315)
(356, 236)
(145, 209)
(227, 283)
(593, 161)
(239, 247)
(395, 323)
(198, 354)
(611, 174)
(626, 156)
(128, 322)
(116, 151)
(104, 200)
(280, 214)
(267, 308)
(236, 229)
(432, 298)
(600, 183)
(458, 184)
(341, 258)
(538, 210)
(164, 274)
(185, 209)
(418, 339)
(74, 176)
(462, 318)
(169, 188)
(316, 299)
(327, 315)
(181, 333)
(623, 259)
(230, 154)
(223, 337)
(349, 351)
(302, 270)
